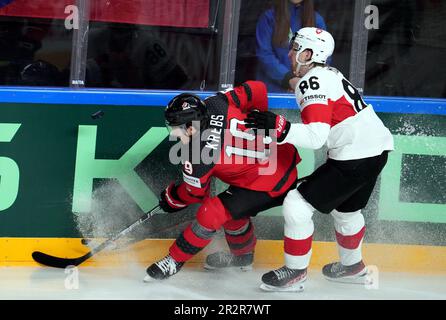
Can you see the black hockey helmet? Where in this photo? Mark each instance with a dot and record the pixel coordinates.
(184, 109)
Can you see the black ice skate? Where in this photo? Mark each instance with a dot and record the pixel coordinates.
(163, 269)
(356, 273)
(220, 260)
(284, 279)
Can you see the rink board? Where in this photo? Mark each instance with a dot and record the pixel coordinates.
(385, 257)
(58, 164)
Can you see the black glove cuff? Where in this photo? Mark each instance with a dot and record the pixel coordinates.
(174, 193)
(284, 132)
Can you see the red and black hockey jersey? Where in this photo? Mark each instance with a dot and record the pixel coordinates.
(234, 154)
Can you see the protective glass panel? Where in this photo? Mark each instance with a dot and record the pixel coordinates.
(156, 44)
(406, 50)
(263, 44)
(35, 43)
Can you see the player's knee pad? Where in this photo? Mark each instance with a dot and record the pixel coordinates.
(296, 209)
(298, 215)
(348, 223)
(212, 214)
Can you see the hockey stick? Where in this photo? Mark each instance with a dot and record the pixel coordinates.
(58, 262)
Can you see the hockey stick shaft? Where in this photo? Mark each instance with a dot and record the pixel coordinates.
(57, 262)
(140, 221)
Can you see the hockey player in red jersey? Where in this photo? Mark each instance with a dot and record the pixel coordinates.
(333, 113)
(216, 126)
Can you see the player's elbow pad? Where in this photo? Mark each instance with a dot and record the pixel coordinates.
(318, 134)
(318, 141)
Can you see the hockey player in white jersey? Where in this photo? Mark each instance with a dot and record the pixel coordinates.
(333, 114)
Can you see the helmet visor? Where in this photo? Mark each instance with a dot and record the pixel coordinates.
(176, 130)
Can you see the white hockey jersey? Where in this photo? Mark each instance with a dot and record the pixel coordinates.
(334, 113)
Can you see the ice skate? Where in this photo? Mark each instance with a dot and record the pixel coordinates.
(356, 273)
(163, 269)
(284, 279)
(221, 260)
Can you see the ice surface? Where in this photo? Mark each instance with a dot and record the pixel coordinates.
(194, 283)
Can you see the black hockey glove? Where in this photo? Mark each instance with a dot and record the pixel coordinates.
(267, 121)
(169, 201)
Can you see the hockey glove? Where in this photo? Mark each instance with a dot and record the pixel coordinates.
(269, 121)
(169, 200)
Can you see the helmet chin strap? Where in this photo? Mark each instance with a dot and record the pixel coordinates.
(301, 64)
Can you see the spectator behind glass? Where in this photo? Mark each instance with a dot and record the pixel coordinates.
(131, 56)
(21, 40)
(273, 33)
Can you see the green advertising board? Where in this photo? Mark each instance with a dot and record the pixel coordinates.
(58, 165)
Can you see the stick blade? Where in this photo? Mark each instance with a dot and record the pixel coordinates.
(56, 262)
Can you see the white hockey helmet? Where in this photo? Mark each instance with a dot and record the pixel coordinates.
(319, 41)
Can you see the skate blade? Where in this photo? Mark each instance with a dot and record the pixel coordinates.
(243, 268)
(148, 279)
(295, 287)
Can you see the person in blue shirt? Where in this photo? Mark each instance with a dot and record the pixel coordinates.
(3, 3)
(275, 28)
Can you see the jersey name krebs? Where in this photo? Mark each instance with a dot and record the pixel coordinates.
(194, 182)
(214, 139)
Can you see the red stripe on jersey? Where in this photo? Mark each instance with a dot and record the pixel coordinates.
(342, 109)
(249, 96)
(350, 242)
(259, 96)
(317, 113)
(297, 247)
